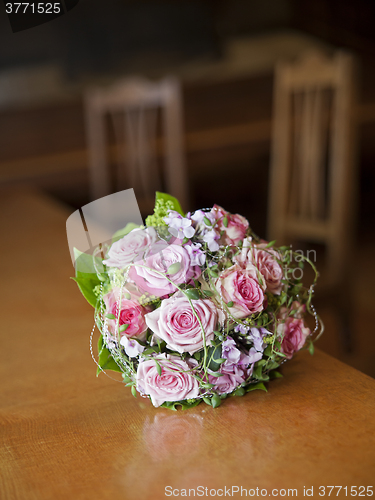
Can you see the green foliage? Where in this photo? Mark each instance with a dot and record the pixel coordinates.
(171, 199)
(87, 278)
(214, 357)
(185, 404)
(254, 387)
(123, 232)
(174, 268)
(215, 401)
(239, 392)
(163, 203)
(192, 293)
(105, 361)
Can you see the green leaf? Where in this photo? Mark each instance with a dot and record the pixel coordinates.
(261, 362)
(311, 348)
(207, 400)
(192, 293)
(277, 344)
(168, 197)
(86, 277)
(105, 361)
(207, 293)
(149, 350)
(258, 372)
(272, 365)
(123, 232)
(268, 351)
(216, 374)
(110, 316)
(86, 263)
(254, 387)
(174, 268)
(86, 287)
(270, 244)
(198, 355)
(275, 374)
(239, 392)
(230, 303)
(185, 404)
(225, 221)
(214, 356)
(123, 327)
(158, 367)
(215, 401)
(207, 221)
(134, 391)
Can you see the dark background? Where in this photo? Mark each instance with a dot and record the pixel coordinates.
(44, 72)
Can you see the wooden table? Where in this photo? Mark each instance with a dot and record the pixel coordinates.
(67, 434)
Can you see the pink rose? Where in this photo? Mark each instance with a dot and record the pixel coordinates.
(161, 257)
(265, 261)
(174, 384)
(131, 247)
(175, 323)
(127, 311)
(241, 287)
(236, 228)
(293, 334)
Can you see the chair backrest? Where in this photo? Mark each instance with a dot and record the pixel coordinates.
(135, 107)
(312, 177)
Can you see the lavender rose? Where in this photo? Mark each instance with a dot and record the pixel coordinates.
(174, 384)
(131, 247)
(241, 287)
(126, 312)
(175, 323)
(151, 275)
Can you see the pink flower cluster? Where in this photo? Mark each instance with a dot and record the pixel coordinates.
(199, 308)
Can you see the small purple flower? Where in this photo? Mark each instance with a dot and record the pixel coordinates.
(210, 238)
(132, 347)
(179, 226)
(230, 352)
(256, 336)
(197, 256)
(198, 217)
(240, 328)
(254, 355)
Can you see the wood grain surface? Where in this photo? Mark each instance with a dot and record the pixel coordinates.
(67, 434)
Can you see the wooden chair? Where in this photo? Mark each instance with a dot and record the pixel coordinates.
(312, 196)
(312, 179)
(133, 110)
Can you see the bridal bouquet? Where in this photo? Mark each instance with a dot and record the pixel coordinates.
(195, 307)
